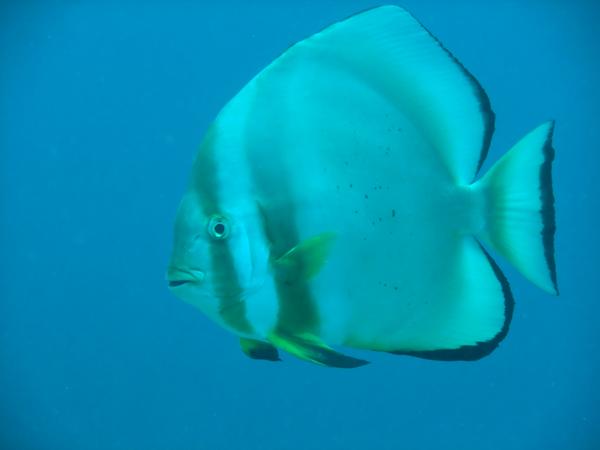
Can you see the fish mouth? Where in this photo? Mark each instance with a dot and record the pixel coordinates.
(177, 277)
(176, 283)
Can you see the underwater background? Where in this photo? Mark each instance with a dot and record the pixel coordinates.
(102, 108)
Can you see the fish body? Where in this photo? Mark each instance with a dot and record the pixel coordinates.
(334, 202)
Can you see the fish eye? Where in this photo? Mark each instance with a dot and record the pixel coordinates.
(218, 228)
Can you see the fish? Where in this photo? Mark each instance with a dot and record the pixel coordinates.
(335, 204)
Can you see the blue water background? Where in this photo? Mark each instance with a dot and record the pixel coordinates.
(102, 107)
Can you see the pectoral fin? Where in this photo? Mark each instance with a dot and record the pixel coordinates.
(311, 349)
(306, 259)
(259, 350)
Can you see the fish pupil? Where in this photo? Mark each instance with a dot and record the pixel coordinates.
(219, 229)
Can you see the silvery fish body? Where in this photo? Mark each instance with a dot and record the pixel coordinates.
(335, 202)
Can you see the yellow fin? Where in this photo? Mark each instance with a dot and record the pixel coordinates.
(310, 348)
(306, 259)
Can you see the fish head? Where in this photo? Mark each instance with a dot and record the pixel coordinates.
(214, 263)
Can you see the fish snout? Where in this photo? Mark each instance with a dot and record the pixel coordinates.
(180, 277)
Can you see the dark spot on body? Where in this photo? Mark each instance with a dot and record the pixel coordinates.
(393, 213)
(366, 197)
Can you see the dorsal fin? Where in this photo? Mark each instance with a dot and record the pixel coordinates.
(389, 50)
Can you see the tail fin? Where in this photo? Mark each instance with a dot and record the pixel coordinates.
(520, 207)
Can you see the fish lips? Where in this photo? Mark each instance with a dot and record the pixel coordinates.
(180, 277)
(177, 283)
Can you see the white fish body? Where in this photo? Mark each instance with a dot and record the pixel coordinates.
(342, 177)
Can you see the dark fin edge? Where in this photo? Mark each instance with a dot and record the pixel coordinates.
(547, 211)
(488, 115)
(481, 349)
(329, 357)
(317, 352)
(259, 350)
(485, 107)
(265, 354)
